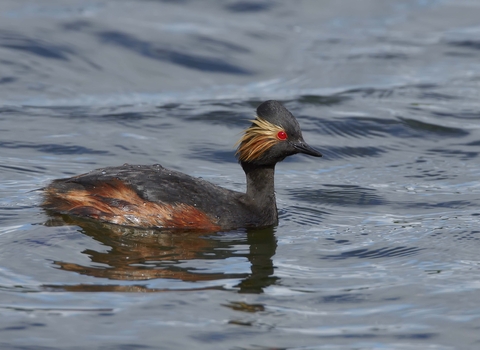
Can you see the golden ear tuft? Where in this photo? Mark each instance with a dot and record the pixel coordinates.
(257, 139)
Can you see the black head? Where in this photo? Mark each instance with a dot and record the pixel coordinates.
(273, 136)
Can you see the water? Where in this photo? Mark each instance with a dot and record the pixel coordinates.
(377, 246)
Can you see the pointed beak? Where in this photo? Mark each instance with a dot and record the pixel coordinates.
(302, 147)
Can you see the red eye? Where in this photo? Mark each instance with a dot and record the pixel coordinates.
(282, 135)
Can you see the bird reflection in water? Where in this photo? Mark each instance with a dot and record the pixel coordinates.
(142, 255)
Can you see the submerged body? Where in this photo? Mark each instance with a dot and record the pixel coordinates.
(152, 196)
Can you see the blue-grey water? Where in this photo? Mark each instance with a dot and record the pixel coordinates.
(378, 242)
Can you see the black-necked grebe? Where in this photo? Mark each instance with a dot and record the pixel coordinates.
(151, 196)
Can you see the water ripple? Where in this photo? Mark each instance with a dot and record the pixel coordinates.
(421, 129)
(302, 215)
(362, 127)
(52, 148)
(399, 251)
(181, 58)
(331, 153)
(35, 47)
(340, 195)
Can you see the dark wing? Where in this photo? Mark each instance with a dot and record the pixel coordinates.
(132, 194)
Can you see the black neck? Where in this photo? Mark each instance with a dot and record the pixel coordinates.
(260, 185)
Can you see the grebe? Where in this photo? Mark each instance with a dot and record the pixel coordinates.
(150, 196)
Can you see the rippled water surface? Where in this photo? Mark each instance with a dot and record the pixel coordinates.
(378, 242)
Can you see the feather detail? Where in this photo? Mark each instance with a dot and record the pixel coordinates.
(257, 139)
(117, 203)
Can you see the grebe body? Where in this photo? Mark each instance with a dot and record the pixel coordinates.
(152, 196)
